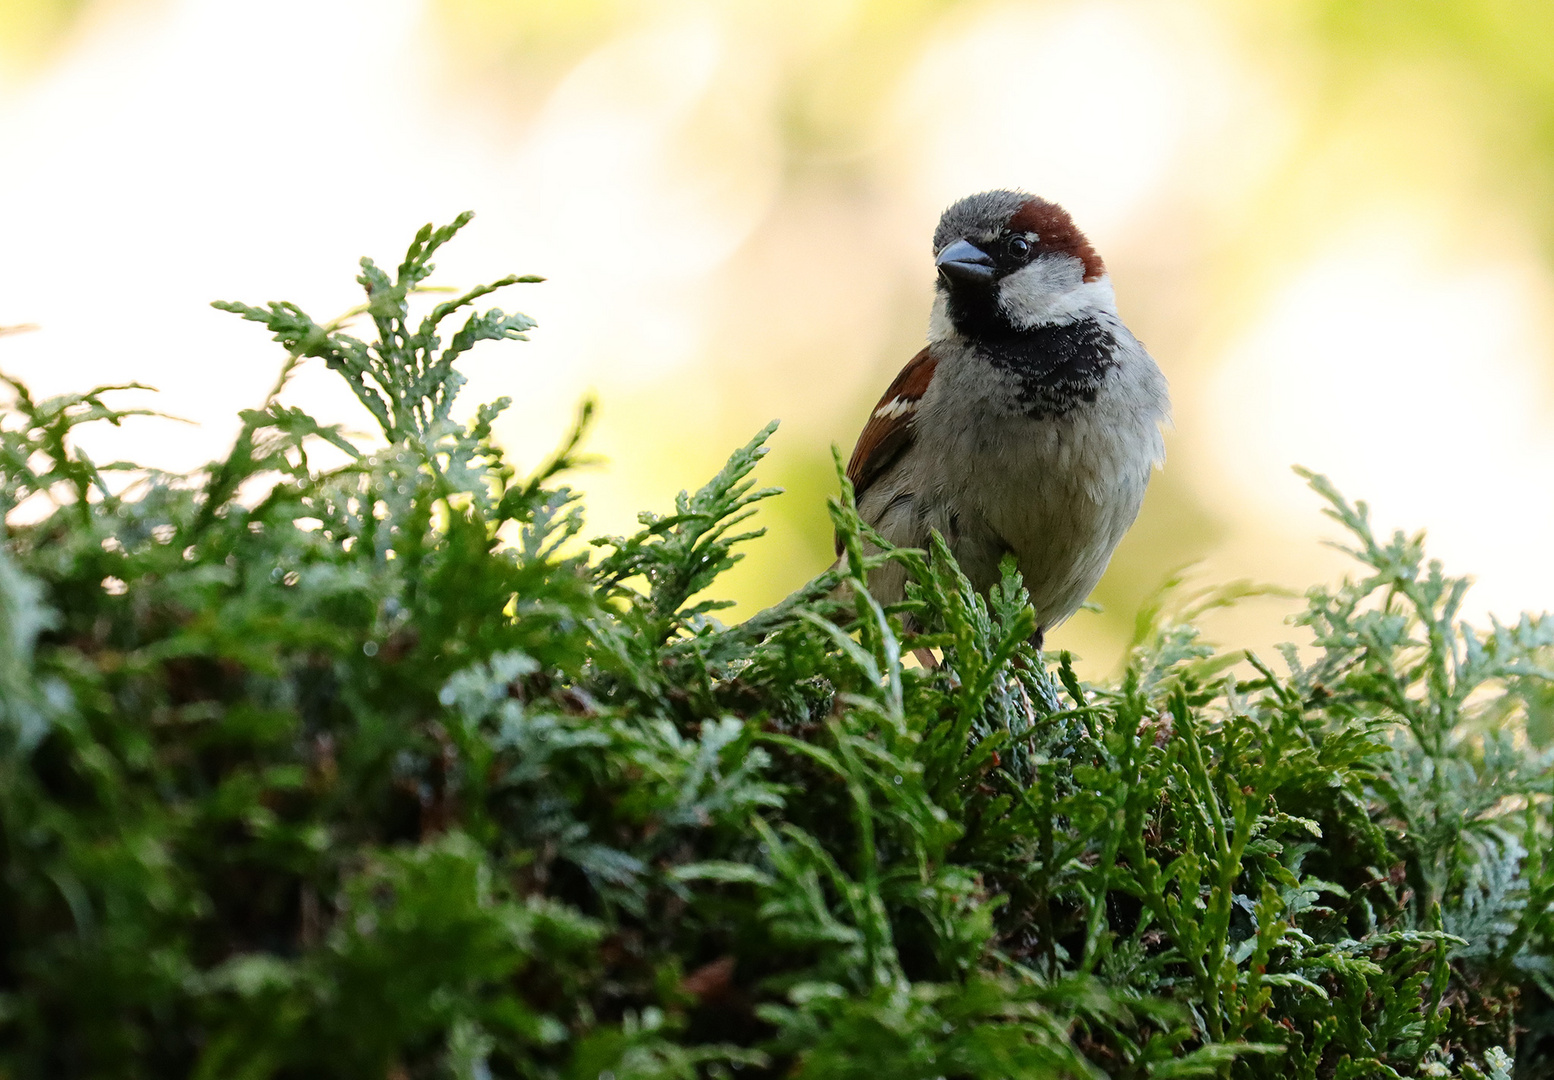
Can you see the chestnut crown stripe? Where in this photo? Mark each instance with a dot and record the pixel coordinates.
(1056, 232)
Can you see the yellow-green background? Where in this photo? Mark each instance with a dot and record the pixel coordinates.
(1330, 221)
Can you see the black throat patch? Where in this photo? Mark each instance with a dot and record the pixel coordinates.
(1056, 367)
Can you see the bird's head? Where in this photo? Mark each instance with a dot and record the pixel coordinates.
(1009, 261)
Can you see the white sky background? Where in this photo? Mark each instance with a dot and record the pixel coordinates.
(174, 153)
(203, 149)
(1457, 350)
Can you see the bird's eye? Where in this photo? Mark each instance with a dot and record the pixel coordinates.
(1019, 247)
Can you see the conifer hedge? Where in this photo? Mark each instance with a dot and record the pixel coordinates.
(375, 770)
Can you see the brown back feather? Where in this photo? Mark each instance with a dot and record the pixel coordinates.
(889, 429)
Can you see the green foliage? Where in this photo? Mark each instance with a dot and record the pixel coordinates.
(374, 771)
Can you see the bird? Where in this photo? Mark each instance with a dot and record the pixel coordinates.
(1031, 422)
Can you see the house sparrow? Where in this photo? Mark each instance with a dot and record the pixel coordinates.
(1031, 422)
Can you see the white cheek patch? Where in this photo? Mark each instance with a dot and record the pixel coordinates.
(895, 407)
(1052, 289)
(940, 328)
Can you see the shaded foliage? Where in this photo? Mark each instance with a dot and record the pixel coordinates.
(378, 771)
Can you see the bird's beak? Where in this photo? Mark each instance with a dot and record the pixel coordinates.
(964, 262)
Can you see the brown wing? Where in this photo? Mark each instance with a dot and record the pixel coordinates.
(889, 430)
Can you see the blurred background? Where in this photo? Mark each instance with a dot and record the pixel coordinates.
(1330, 220)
